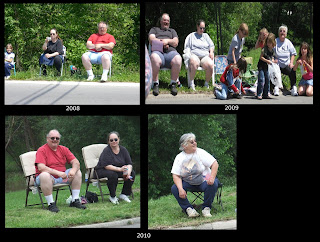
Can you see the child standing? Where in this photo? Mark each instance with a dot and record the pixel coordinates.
(266, 57)
(263, 34)
(8, 61)
(230, 80)
(237, 43)
(305, 61)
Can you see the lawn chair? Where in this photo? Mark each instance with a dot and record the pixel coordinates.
(221, 63)
(91, 155)
(63, 59)
(28, 165)
(200, 195)
(199, 68)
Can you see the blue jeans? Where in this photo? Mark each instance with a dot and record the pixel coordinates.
(7, 68)
(209, 193)
(263, 83)
(223, 94)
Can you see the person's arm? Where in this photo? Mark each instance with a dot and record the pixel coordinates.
(43, 168)
(90, 45)
(75, 167)
(108, 46)
(291, 61)
(214, 171)
(178, 181)
(234, 56)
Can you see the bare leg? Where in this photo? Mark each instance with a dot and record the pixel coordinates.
(175, 67)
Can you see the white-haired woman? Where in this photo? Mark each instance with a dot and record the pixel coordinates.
(285, 53)
(194, 169)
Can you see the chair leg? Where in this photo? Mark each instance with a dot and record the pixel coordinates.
(56, 196)
(27, 194)
(39, 192)
(101, 193)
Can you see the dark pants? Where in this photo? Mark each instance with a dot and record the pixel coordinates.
(291, 73)
(209, 193)
(56, 61)
(113, 181)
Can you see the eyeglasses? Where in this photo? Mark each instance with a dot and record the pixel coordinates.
(192, 141)
(52, 34)
(111, 140)
(202, 28)
(54, 138)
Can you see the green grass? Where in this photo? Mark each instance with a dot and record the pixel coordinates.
(165, 212)
(17, 216)
(118, 75)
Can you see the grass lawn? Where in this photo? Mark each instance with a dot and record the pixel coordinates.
(165, 212)
(17, 216)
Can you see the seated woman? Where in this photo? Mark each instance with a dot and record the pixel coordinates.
(198, 49)
(53, 51)
(114, 163)
(194, 169)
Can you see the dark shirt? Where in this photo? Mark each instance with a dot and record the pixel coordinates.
(267, 55)
(107, 157)
(164, 34)
(54, 47)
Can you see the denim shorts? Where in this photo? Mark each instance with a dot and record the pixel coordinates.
(58, 180)
(304, 82)
(95, 57)
(166, 58)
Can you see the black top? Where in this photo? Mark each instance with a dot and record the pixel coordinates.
(107, 157)
(266, 54)
(54, 47)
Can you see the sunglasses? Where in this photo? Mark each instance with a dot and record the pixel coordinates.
(53, 138)
(202, 28)
(52, 34)
(111, 140)
(192, 141)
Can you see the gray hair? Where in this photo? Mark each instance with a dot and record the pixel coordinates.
(112, 132)
(55, 131)
(103, 22)
(283, 27)
(184, 140)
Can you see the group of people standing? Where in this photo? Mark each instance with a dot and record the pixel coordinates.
(199, 49)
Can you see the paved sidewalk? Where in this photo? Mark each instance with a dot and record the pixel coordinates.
(125, 223)
(220, 225)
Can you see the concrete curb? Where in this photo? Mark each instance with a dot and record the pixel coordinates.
(132, 223)
(220, 225)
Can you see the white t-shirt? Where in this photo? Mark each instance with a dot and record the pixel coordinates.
(8, 56)
(203, 157)
(283, 51)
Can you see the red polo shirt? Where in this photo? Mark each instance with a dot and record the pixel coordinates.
(54, 159)
(102, 39)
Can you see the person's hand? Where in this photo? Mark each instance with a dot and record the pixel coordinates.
(71, 174)
(63, 175)
(182, 194)
(47, 55)
(211, 55)
(299, 62)
(210, 181)
(98, 47)
(291, 65)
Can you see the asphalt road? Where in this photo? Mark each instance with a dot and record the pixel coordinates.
(71, 93)
(195, 98)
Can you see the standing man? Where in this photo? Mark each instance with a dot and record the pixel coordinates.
(51, 159)
(100, 46)
(164, 41)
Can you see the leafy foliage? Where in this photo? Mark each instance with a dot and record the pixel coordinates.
(27, 25)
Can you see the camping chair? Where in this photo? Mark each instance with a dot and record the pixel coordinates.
(200, 195)
(91, 155)
(63, 59)
(221, 63)
(199, 68)
(27, 162)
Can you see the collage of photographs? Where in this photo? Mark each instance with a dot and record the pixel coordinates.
(155, 117)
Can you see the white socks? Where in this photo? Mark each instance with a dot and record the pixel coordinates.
(49, 199)
(75, 194)
(90, 73)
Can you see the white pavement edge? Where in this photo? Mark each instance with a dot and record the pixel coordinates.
(220, 225)
(113, 224)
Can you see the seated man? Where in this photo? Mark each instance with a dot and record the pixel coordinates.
(51, 159)
(100, 46)
(167, 56)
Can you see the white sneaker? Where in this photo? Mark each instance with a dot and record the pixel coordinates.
(206, 212)
(294, 91)
(104, 78)
(192, 87)
(125, 198)
(114, 200)
(90, 78)
(276, 91)
(192, 213)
